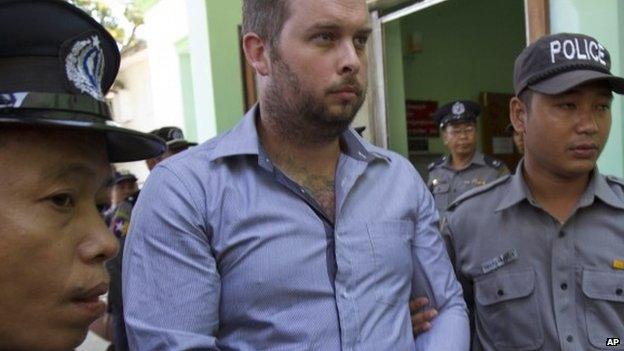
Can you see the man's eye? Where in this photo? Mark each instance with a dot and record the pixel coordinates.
(568, 106)
(324, 37)
(604, 107)
(63, 201)
(360, 42)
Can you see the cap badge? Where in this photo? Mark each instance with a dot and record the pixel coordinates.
(84, 66)
(175, 134)
(458, 108)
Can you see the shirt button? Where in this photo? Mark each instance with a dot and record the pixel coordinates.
(570, 338)
(500, 292)
(561, 234)
(619, 291)
(345, 295)
(564, 286)
(302, 190)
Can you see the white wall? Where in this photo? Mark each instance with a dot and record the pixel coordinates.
(152, 97)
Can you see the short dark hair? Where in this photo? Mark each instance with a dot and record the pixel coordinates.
(265, 18)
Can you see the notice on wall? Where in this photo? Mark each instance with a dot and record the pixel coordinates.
(418, 119)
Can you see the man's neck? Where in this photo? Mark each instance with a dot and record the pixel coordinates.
(558, 195)
(311, 165)
(292, 155)
(461, 161)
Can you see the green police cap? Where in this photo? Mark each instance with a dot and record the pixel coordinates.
(56, 66)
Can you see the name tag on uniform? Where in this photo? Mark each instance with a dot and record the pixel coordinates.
(618, 264)
(499, 261)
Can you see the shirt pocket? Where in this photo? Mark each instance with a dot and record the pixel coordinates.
(441, 195)
(391, 243)
(508, 311)
(604, 307)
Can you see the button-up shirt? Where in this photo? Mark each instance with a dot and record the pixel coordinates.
(534, 283)
(226, 253)
(447, 183)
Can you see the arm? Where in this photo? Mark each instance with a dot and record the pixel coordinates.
(171, 286)
(434, 276)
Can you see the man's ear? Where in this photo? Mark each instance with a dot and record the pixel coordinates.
(518, 113)
(444, 136)
(257, 53)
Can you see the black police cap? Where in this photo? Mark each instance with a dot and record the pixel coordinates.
(558, 62)
(56, 66)
(173, 136)
(122, 176)
(456, 112)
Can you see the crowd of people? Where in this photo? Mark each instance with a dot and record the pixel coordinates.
(290, 231)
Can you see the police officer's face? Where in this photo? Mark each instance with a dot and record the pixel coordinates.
(564, 134)
(53, 242)
(123, 189)
(320, 73)
(460, 138)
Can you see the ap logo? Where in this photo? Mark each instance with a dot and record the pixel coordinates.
(613, 342)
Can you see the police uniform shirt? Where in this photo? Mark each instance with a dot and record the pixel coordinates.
(447, 184)
(533, 283)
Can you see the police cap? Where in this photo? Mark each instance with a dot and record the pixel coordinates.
(56, 66)
(174, 137)
(456, 112)
(556, 63)
(122, 176)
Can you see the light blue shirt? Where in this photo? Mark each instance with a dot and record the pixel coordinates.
(226, 253)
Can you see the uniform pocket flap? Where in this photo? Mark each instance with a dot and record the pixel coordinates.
(504, 286)
(441, 188)
(603, 285)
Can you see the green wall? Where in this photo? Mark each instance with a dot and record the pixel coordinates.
(468, 46)
(603, 20)
(393, 58)
(188, 100)
(224, 17)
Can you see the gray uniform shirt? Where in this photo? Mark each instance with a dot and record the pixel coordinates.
(447, 184)
(533, 283)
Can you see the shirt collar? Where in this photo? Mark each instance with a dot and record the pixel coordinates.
(518, 190)
(597, 188)
(243, 140)
(477, 158)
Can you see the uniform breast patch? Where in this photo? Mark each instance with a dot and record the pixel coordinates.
(499, 261)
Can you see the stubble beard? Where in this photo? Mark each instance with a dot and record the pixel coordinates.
(298, 116)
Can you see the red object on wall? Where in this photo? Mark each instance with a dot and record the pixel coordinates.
(418, 119)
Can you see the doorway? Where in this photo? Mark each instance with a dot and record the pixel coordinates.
(444, 51)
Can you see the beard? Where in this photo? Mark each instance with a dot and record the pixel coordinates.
(298, 115)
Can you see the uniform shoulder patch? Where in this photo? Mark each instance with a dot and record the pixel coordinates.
(478, 190)
(492, 162)
(436, 163)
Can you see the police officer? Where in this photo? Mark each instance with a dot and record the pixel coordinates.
(541, 253)
(175, 144)
(119, 224)
(124, 185)
(56, 142)
(464, 168)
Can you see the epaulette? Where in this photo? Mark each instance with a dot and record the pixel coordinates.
(492, 162)
(478, 190)
(436, 163)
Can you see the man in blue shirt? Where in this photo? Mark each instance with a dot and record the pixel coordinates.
(290, 232)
